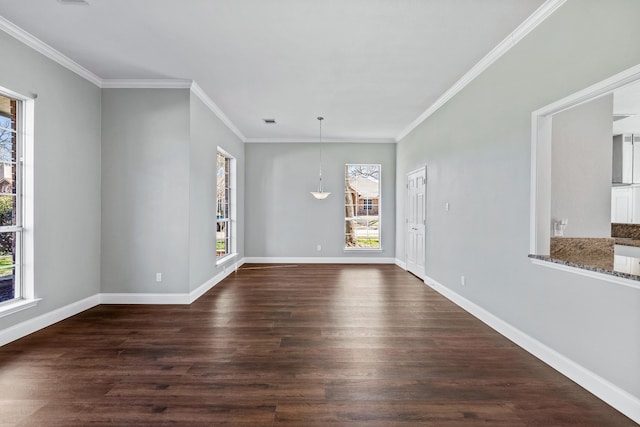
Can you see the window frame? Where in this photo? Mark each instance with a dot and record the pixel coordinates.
(540, 178)
(228, 220)
(357, 206)
(24, 286)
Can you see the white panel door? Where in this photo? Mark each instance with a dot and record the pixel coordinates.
(416, 221)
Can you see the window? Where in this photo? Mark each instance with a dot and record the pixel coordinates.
(580, 110)
(10, 199)
(362, 206)
(224, 231)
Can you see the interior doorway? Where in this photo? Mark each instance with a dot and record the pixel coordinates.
(416, 221)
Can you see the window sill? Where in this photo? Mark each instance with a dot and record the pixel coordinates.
(16, 306)
(226, 259)
(362, 250)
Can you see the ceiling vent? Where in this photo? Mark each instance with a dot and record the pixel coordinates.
(269, 121)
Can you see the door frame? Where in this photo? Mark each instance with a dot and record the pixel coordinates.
(422, 169)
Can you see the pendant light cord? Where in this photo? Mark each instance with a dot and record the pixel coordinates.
(320, 119)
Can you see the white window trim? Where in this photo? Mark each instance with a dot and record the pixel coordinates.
(379, 248)
(26, 133)
(540, 214)
(18, 305)
(225, 259)
(232, 208)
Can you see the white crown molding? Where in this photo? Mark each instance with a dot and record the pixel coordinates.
(535, 19)
(518, 34)
(620, 399)
(51, 53)
(174, 84)
(146, 84)
(324, 140)
(43, 48)
(197, 91)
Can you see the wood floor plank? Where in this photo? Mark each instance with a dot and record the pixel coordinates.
(295, 345)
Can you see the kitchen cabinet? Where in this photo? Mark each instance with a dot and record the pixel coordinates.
(621, 204)
(625, 264)
(626, 159)
(635, 204)
(625, 204)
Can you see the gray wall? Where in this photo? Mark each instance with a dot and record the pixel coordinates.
(67, 177)
(284, 220)
(159, 190)
(581, 153)
(207, 133)
(477, 149)
(145, 190)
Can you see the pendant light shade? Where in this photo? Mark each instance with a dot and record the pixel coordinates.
(320, 194)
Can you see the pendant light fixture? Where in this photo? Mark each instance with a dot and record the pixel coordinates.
(320, 194)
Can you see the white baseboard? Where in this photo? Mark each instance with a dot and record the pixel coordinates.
(144, 298)
(175, 298)
(401, 264)
(621, 400)
(318, 260)
(202, 289)
(30, 326)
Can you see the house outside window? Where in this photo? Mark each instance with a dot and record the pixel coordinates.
(362, 206)
(10, 199)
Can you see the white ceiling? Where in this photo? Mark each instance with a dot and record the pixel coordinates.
(370, 67)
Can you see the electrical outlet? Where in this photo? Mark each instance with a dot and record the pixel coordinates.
(158, 277)
(319, 248)
(446, 207)
(463, 280)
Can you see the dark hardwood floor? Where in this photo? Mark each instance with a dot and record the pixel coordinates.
(307, 345)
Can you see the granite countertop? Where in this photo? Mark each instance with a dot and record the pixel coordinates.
(627, 241)
(599, 253)
(623, 266)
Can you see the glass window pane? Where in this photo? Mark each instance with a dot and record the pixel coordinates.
(8, 108)
(350, 241)
(8, 212)
(222, 238)
(9, 196)
(221, 247)
(7, 178)
(7, 270)
(362, 201)
(223, 205)
(7, 248)
(7, 284)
